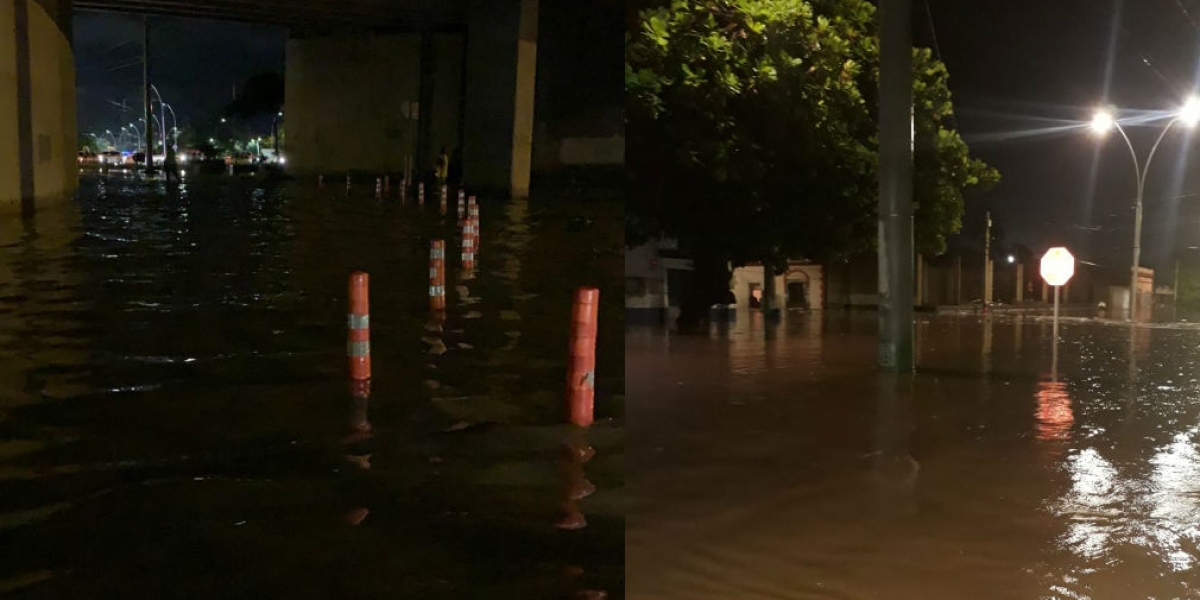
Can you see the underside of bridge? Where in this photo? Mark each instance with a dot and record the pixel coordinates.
(369, 84)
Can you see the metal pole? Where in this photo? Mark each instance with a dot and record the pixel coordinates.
(1056, 290)
(1054, 343)
(895, 211)
(1137, 250)
(987, 262)
(146, 94)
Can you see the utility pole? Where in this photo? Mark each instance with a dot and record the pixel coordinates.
(895, 212)
(146, 94)
(987, 262)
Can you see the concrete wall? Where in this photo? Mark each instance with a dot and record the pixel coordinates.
(38, 157)
(592, 151)
(352, 102)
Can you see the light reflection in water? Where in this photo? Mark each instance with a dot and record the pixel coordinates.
(1092, 505)
(1175, 500)
(1054, 414)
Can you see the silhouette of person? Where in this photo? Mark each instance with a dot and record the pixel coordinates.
(443, 165)
(170, 166)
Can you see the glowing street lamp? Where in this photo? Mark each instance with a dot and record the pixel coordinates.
(1104, 121)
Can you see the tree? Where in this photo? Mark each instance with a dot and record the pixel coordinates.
(752, 136)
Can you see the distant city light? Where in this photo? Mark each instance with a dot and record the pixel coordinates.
(1011, 259)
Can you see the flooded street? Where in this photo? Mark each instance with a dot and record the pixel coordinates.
(790, 468)
(176, 419)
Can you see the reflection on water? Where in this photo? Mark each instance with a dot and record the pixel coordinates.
(1054, 416)
(175, 419)
(790, 468)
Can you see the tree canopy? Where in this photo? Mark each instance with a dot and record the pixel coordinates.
(751, 130)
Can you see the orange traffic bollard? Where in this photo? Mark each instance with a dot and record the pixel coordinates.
(468, 249)
(404, 191)
(437, 275)
(462, 204)
(442, 200)
(358, 347)
(378, 187)
(421, 193)
(473, 219)
(581, 364)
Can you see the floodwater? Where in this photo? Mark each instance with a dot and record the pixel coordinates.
(790, 468)
(176, 419)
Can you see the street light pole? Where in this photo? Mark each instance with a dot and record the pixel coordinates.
(138, 140)
(1102, 122)
(146, 93)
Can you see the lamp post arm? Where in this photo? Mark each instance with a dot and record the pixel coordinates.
(1137, 168)
(1153, 149)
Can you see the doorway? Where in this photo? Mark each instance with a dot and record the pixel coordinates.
(797, 294)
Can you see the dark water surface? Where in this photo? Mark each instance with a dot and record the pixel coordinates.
(789, 468)
(176, 420)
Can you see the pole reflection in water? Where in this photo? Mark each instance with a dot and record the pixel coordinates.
(895, 470)
(358, 447)
(1018, 332)
(987, 345)
(576, 452)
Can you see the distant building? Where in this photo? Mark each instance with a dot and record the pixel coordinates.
(657, 275)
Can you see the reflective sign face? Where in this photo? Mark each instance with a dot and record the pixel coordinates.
(1057, 266)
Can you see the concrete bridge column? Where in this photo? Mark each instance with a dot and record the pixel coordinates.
(501, 63)
(38, 141)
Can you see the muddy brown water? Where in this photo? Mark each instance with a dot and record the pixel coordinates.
(790, 468)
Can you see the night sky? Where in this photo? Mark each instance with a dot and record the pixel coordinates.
(1027, 75)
